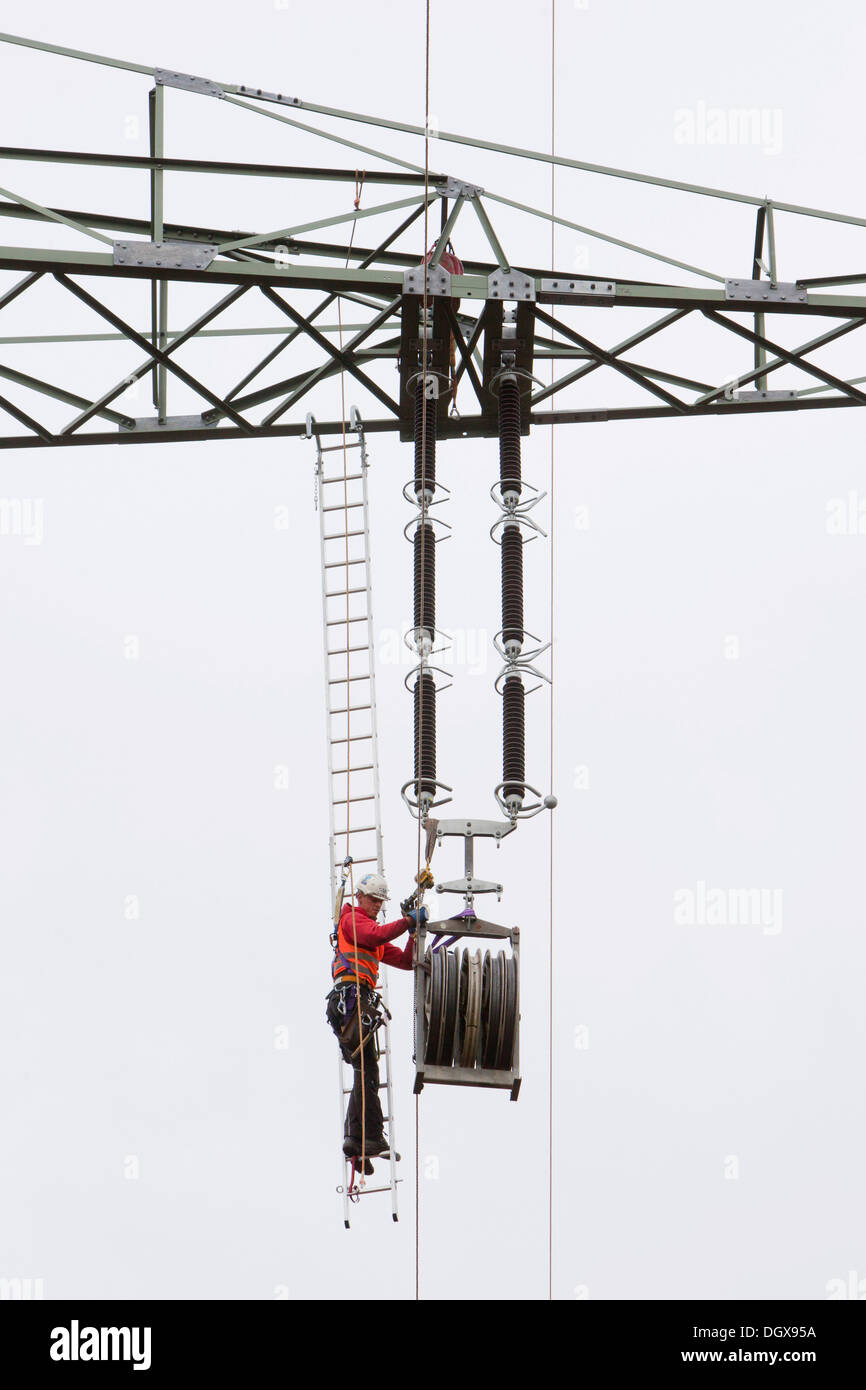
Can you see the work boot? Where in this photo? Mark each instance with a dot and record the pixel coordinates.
(368, 1168)
(352, 1148)
(374, 1147)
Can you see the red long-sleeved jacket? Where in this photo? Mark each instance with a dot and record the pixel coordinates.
(376, 936)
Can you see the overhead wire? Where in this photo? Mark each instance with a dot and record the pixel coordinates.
(553, 650)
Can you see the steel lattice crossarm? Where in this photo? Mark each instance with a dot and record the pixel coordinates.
(300, 288)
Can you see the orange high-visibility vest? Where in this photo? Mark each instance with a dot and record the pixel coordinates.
(350, 960)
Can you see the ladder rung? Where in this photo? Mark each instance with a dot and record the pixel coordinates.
(368, 1191)
(351, 800)
(341, 651)
(339, 622)
(344, 507)
(343, 535)
(350, 709)
(344, 593)
(354, 830)
(371, 859)
(338, 564)
(338, 448)
(340, 478)
(362, 767)
(344, 680)
(353, 738)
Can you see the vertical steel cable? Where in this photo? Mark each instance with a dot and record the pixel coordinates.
(552, 659)
(420, 728)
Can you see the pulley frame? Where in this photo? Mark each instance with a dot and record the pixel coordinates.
(463, 927)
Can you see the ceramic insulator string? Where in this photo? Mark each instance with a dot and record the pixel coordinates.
(513, 739)
(510, 466)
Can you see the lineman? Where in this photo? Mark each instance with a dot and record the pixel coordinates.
(361, 944)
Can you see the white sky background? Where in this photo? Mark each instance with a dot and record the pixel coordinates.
(707, 1044)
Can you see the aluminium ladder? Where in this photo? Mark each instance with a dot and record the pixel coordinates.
(350, 696)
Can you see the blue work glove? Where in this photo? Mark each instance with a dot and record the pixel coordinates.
(414, 915)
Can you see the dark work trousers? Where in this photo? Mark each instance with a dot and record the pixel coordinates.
(346, 1029)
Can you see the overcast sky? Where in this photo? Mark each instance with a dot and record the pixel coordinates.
(165, 908)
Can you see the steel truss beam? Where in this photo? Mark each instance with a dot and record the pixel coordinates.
(217, 166)
(466, 427)
(700, 397)
(467, 320)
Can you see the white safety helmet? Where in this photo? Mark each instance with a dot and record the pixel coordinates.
(375, 886)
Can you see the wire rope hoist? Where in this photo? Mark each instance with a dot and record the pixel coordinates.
(467, 998)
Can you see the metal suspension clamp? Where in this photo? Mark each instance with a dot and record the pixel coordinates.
(545, 803)
(424, 668)
(519, 665)
(430, 374)
(517, 508)
(507, 372)
(434, 501)
(518, 518)
(410, 640)
(423, 519)
(523, 659)
(425, 803)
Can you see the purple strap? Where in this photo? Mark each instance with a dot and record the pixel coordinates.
(446, 944)
(450, 942)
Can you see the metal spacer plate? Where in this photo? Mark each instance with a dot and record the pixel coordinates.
(580, 289)
(170, 255)
(203, 85)
(145, 423)
(271, 96)
(493, 828)
(510, 284)
(438, 280)
(469, 885)
(764, 396)
(783, 292)
(454, 188)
